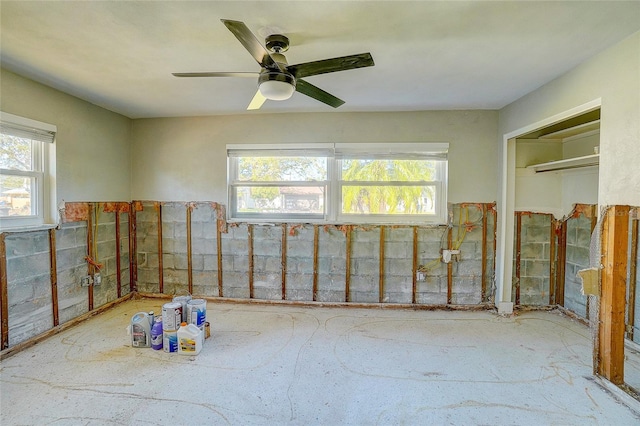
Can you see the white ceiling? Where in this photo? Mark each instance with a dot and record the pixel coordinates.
(428, 55)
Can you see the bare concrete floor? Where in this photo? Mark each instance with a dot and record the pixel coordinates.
(270, 365)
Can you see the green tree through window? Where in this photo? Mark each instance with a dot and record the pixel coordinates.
(393, 195)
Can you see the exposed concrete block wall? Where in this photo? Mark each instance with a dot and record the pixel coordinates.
(104, 235)
(578, 241)
(71, 249)
(147, 248)
(29, 289)
(40, 297)
(277, 261)
(235, 265)
(535, 263)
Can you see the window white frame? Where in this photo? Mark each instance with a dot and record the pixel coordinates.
(335, 154)
(42, 172)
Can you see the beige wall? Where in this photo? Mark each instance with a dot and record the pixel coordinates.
(614, 77)
(183, 159)
(92, 144)
(610, 80)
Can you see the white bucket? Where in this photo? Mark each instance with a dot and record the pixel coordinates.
(183, 301)
(171, 316)
(197, 312)
(190, 339)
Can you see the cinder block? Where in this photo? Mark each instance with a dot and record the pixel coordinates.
(106, 249)
(267, 294)
(428, 250)
(203, 246)
(365, 267)
(397, 297)
(210, 229)
(468, 268)
(236, 292)
(300, 248)
(174, 212)
(234, 279)
(471, 250)
(397, 250)
(68, 258)
(473, 298)
(364, 284)
(174, 276)
(426, 298)
(398, 267)
(303, 295)
(365, 250)
(19, 245)
(363, 297)
(65, 237)
(19, 268)
(203, 212)
(330, 296)
(536, 268)
(366, 235)
(578, 255)
(398, 234)
(300, 283)
(434, 233)
(168, 261)
(265, 247)
(300, 265)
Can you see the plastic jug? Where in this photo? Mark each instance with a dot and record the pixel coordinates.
(140, 330)
(156, 334)
(190, 339)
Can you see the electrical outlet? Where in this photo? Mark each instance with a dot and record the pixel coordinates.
(97, 278)
(420, 276)
(85, 281)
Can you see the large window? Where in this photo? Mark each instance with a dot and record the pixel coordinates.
(25, 171)
(355, 183)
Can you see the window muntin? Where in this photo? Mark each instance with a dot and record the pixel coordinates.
(364, 183)
(25, 170)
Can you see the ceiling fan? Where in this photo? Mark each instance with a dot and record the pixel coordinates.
(277, 80)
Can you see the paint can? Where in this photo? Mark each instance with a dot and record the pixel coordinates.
(183, 301)
(140, 330)
(197, 312)
(171, 316)
(170, 341)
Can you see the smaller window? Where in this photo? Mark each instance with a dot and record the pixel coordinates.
(278, 183)
(25, 166)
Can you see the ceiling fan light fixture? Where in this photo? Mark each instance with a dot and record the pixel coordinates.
(276, 86)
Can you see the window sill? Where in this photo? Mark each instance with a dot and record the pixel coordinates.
(27, 228)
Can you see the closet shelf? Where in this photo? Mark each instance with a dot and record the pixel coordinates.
(569, 163)
(573, 131)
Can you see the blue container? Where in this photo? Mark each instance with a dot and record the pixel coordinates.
(170, 341)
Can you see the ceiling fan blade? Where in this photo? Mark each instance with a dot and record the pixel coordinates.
(216, 74)
(251, 43)
(331, 65)
(257, 101)
(316, 93)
